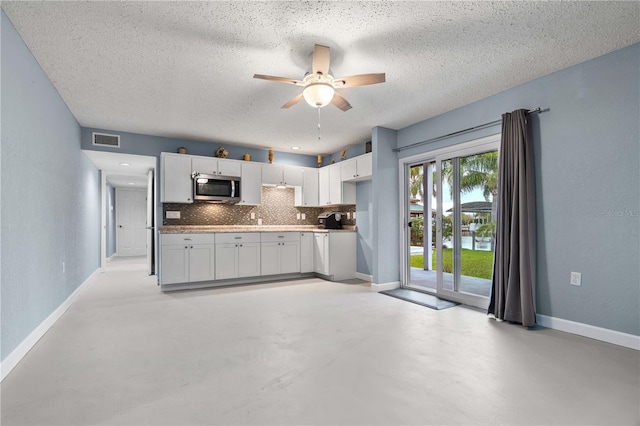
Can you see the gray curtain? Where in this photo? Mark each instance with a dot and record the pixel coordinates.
(513, 293)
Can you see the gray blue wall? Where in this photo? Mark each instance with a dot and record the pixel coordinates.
(111, 220)
(587, 154)
(50, 196)
(364, 220)
(385, 207)
(133, 143)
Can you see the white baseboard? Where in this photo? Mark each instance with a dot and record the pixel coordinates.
(364, 277)
(385, 286)
(23, 348)
(110, 258)
(593, 332)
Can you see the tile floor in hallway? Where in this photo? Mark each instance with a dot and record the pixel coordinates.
(305, 352)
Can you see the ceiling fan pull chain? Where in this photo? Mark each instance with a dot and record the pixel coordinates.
(319, 124)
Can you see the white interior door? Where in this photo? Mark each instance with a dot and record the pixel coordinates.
(131, 221)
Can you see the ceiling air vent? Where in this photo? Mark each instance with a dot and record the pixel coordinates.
(104, 139)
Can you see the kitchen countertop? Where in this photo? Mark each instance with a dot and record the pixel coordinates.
(203, 229)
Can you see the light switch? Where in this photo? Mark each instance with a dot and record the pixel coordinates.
(304, 216)
(298, 216)
(173, 215)
(253, 215)
(259, 221)
(354, 215)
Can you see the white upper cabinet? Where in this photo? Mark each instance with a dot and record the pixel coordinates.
(216, 166)
(251, 184)
(358, 168)
(273, 174)
(309, 188)
(177, 186)
(332, 190)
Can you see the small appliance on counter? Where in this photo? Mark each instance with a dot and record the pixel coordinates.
(331, 220)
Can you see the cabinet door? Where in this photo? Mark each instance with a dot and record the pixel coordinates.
(248, 259)
(204, 165)
(269, 258)
(320, 253)
(348, 169)
(251, 184)
(226, 264)
(175, 264)
(335, 184)
(229, 168)
(323, 186)
(289, 257)
(176, 179)
(306, 252)
(365, 166)
(201, 263)
(292, 176)
(310, 187)
(271, 174)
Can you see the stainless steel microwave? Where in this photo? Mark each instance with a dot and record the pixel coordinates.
(216, 188)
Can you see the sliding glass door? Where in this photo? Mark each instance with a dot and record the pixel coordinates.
(450, 221)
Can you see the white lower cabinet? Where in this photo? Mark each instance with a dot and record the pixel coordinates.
(196, 258)
(187, 258)
(280, 253)
(237, 255)
(335, 254)
(306, 252)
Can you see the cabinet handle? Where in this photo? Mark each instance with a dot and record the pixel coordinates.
(187, 239)
(186, 247)
(240, 245)
(280, 236)
(238, 238)
(191, 246)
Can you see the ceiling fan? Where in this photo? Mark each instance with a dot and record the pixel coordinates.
(319, 86)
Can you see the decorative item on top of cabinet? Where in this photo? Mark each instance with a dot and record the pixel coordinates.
(222, 152)
(319, 160)
(367, 147)
(246, 157)
(270, 156)
(182, 150)
(343, 153)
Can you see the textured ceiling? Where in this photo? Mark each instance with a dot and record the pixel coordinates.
(184, 69)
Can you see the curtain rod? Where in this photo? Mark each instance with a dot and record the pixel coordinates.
(460, 132)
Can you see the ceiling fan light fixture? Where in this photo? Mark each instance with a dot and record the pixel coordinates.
(318, 94)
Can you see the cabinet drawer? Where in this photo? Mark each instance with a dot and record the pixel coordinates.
(238, 237)
(187, 238)
(279, 237)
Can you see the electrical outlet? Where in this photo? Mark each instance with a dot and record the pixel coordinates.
(173, 215)
(259, 221)
(576, 279)
(348, 215)
(304, 216)
(354, 215)
(298, 216)
(63, 268)
(253, 215)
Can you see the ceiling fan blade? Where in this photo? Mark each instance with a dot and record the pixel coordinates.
(360, 80)
(293, 101)
(320, 61)
(340, 102)
(279, 79)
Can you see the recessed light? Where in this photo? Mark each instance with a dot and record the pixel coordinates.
(295, 147)
(125, 164)
(131, 183)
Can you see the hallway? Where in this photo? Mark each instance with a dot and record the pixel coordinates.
(305, 352)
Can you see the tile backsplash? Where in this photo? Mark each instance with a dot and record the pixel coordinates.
(277, 208)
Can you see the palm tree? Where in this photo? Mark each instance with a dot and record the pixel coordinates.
(416, 179)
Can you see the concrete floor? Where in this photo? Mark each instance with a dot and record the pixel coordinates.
(306, 352)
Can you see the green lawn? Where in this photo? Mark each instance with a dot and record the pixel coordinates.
(475, 263)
